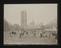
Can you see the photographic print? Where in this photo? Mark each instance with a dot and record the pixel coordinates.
(30, 24)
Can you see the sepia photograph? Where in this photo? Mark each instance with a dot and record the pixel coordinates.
(34, 24)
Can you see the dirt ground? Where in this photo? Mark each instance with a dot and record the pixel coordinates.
(15, 39)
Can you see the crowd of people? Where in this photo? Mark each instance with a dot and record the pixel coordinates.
(35, 34)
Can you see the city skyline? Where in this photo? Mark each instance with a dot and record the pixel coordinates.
(38, 13)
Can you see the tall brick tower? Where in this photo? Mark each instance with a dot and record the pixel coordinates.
(23, 19)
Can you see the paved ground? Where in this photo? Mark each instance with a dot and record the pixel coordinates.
(27, 40)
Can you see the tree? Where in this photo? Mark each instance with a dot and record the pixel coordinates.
(6, 26)
(42, 27)
(16, 27)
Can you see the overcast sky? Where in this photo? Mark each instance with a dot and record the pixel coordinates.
(40, 13)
